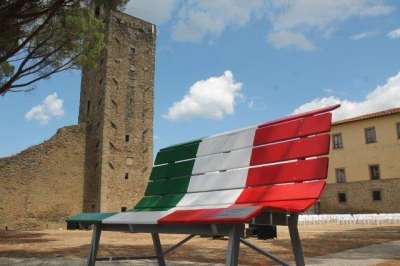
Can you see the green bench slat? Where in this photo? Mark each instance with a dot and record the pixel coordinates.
(172, 170)
(167, 186)
(90, 217)
(158, 202)
(177, 153)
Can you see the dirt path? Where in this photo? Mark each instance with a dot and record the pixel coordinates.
(318, 240)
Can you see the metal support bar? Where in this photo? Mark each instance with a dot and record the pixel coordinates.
(126, 258)
(232, 254)
(177, 245)
(295, 238)
(158, 249)
(95, 245)
(263, 252)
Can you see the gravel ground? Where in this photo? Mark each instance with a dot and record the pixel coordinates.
(52, 246)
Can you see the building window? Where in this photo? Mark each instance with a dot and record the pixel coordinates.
(398, 130)
(126, 175)
(376, 195)
(370, 135)
(340, 175)
(123, 209)
(337, 141)
(374, 172)
(126, 138)
(342, 197)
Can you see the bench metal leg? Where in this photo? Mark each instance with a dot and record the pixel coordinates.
(95, 245)
(232, 254)
(295, 238)
(158, 249)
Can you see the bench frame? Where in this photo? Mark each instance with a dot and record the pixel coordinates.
(235, 232)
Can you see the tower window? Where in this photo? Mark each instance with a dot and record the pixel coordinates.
(126, 175)
(97, 11)
(342, 197)
(337, 141)
(126, 138)
(370, 135)
(376, 195)
(374, 172)
(88, 108)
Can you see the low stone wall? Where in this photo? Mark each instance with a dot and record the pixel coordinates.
(43, 184)
(383, 218)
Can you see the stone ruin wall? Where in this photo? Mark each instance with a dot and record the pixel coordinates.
(43, 184)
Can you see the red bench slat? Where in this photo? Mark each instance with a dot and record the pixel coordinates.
(295, 191)
(289, 206)
(288, 172)
(211, 215)
(292, 129)
(307, 147)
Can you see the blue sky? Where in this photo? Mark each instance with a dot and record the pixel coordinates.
(226, 64)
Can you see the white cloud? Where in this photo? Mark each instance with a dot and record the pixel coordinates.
(212, 98)
(394, 34)
(283, 39)
(155, 11)
(362, 35)
(381, 98)
(305, 16)
(198, 19)
(195, 20)
(51, 107)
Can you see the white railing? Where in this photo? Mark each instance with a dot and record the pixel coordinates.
(374, 219)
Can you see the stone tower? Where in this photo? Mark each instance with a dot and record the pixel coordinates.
(116, 104)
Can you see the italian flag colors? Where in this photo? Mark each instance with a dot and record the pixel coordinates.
(231, 177)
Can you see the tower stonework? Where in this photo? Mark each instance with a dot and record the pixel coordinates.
(103, 163)
(117, 107)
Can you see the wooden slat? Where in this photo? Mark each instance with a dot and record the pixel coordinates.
(210, 198)
(293, 129)
(233, 214)
(222, 161)
(303, 170)
(295, 191)
(172, 170)
(289, 206)
(307, 147)
(167, 186)
(177, 153)
(159, 202)
(227, 142)
(218, 181)
(301, 115)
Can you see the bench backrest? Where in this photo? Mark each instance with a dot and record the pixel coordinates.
(280, 164)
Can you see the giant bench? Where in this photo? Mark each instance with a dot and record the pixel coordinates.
(267, 174)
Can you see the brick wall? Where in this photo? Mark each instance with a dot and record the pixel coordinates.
(43, 184)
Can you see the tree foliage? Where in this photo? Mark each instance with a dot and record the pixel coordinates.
(42, 37)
